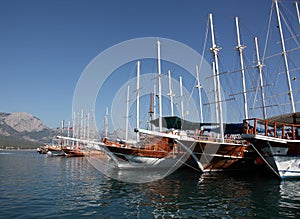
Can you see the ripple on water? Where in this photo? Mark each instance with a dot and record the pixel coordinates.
(36, 186)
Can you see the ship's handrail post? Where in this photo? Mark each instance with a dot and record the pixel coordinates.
(275, 130)
(293, 132)
(245, 126)
(283, 125)
(254, 126)
(266, 127)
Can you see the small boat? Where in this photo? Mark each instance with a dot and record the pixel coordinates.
(42, 149)
(56, 148)
(277, 141)
(81, 152)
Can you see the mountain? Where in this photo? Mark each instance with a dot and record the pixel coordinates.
(24, 122)
(23, 130)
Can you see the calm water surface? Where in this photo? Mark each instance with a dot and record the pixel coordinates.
(36, 186)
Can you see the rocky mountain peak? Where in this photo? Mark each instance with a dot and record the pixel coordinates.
(24, 122)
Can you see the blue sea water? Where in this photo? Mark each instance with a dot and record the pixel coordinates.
(36, 186)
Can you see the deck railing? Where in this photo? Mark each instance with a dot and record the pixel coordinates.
(272, 129)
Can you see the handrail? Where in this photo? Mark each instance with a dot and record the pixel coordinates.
(271, 128)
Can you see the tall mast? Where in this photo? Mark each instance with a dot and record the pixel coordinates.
(154, 100)
(159, 85)
(77, 122)
(62, 126)
(138, 100)
(260, 67)
(93, 125)
(106, 122)
(69, 125)
(74, 124)
(297, 10)
(287, 71)
(171, 93)
(215, 51)
(88, 126)
(127, 114)
(150, 112)
(199, 93)
(74, 127)
(84, 127)
(240, 48)
(81, 125)
(181, 97)
(215, 92)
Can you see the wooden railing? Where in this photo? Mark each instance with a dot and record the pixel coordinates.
(272, 129)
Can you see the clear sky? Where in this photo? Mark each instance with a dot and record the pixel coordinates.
(45, 45)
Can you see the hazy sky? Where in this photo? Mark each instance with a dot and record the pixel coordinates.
(45, 45)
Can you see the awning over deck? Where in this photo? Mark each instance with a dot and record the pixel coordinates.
(290, 118)
(175, 122)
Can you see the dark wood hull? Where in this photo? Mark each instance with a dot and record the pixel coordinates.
(119, 151)
(157, 148)
(212, 156)
(73, 152)
(83, 153)
(215, 156)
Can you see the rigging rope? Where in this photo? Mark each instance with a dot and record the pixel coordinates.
(268, 32)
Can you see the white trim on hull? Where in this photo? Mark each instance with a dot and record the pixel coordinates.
(152, 162)
(275, 152)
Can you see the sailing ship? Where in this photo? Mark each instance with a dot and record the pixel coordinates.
(53, 149)
(56, 147)
(277, 139)
(145, 150)
(152, 151)
(74, 146)
(205, 143)
(210, 153)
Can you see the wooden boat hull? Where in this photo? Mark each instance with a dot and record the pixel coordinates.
(55, 151)
(73, 152)
(215, 156)
(206, 156)
(82, 153)
(137, 152)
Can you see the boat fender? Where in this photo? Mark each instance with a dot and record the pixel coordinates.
(259, 161)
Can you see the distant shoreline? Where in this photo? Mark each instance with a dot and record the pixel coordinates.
(17, 149)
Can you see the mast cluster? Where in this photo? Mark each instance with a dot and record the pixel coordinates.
(217, 83)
